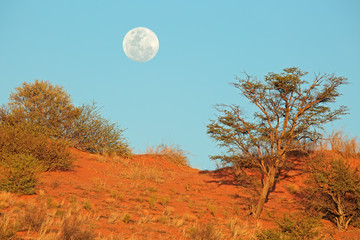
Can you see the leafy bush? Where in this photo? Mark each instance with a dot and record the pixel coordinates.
(43, 104)
(19, 173)
(171, 153)
(94, 133)
(292, 228)
(334, 190)
(29, 139)
(49, 107)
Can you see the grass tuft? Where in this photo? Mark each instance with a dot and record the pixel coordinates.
(172, 153)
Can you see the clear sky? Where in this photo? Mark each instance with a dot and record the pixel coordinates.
(203, 45)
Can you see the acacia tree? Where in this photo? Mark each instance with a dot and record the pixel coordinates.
(290, 112)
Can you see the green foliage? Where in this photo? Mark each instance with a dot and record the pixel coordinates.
(334, 190)
(126, 218)
(290, 112)
(19, 174)
(292, 228)
(43, 104)
(94, 133)
(87, 205)
(49, 108)
(29, 139)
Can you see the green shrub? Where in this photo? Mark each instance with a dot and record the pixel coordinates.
(126, 219)
(43, 104)
(49, 107)
(291, 228)
(29, 139)
(19, 173)
(334, 190)
(93, 133)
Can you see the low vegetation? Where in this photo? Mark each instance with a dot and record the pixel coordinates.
(334, 190)
(50, 108)
(348, 147)
(173, 154)
(205, 232)
(29, 139)
(37, 127)
(18, 174)
(290, 227)
(93, 133)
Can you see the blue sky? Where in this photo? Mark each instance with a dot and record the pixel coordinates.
(203, 45)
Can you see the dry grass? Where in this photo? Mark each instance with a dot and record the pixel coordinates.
(146, 218)
(239, 229)
(34, 217)
(341, 143)
(140, 172)
(345, 145)
(172, 153)
(6, 200)
(205, 232)
(77, 227)
(8, 228)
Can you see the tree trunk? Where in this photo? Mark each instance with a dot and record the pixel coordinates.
(341, 221)
(268, 184)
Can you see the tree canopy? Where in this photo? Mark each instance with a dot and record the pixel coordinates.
(44, 104)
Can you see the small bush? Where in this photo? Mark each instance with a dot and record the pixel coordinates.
(292, 228)
(293, 189)
(29, 139)
(126, 218)
(19, 173)
(205, 232)
(334, 190)
(172, 153)
(87, 205)
(94, 133)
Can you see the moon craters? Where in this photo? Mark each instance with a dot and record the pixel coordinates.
(141, 44)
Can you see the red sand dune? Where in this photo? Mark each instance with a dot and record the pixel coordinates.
(148, 197)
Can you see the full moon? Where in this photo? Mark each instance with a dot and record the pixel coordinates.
(140, 44)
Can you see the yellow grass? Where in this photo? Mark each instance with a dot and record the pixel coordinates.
(172, 153)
